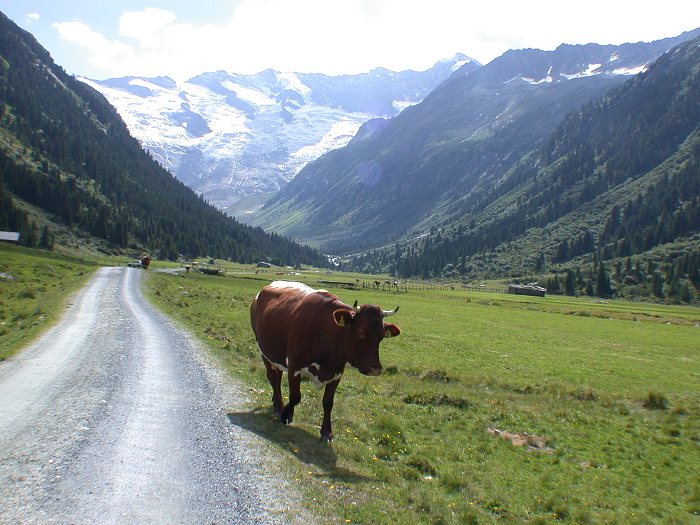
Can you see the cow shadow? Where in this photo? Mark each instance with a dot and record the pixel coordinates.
(298, 442)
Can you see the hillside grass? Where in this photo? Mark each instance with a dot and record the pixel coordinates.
(35, 287)
(605, 396)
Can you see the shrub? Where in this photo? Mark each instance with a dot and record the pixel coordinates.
(26, 293)
(655, 401)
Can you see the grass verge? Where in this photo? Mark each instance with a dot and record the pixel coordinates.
(34, 288)
(491, 408)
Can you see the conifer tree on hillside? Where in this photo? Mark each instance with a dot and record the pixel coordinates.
(69, 153)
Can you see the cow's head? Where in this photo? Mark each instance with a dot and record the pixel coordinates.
(365, 328)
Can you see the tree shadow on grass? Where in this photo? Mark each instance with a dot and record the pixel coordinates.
(306, 447)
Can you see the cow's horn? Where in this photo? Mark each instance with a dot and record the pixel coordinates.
(389, 313)
(355, 307)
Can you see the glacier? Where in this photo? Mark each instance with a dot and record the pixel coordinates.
(230, 136)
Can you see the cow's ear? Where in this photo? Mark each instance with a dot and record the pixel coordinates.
(391, 330)
(343, 317)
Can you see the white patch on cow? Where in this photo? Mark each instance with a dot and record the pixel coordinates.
(257, 295)
(278, 366)
(303, 288)
(305, 372)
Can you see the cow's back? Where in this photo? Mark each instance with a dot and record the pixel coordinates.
(275, 314)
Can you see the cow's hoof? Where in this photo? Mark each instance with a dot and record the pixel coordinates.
(286, 419)
(327, 439)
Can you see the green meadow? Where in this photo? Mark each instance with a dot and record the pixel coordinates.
(491, 408)
(35, 287)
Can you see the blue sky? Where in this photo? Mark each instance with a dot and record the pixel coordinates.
(179, 38)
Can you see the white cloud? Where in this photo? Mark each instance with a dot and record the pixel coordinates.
(108, 55)
(32, 17)
(147, 27)
(352, 36)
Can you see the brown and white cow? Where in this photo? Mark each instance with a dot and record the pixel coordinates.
(311, 333)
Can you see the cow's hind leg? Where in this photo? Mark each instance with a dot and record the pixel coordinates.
(294, 397)
(274, 376)
(328, 396)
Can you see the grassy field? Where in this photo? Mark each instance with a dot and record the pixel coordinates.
(491, 409)
(34, 288)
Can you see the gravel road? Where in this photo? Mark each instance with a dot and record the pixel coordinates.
(116, 416)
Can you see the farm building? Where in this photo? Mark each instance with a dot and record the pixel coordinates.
(9, 236)
(526, 289)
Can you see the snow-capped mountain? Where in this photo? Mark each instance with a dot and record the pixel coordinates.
(444, 158)
(231, 136)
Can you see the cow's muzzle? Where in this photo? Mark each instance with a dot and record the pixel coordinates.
(372, 371)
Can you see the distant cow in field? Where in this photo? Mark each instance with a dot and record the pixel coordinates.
(312, 333)
(144, 262)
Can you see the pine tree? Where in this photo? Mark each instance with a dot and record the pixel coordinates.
(46, 239)
(657, 285)
(589, 285)
(603, 288)
(570, 283)
(553, 285)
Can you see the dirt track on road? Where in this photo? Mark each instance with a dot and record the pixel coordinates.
(116, 416)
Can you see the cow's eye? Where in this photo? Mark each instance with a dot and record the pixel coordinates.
(361, 334)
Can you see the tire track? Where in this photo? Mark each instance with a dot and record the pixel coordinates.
(114, 416)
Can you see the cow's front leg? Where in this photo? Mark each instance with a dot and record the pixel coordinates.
(328, 396)
(294, 397)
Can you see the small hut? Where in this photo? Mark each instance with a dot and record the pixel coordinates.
(526, 289)
(9, 236)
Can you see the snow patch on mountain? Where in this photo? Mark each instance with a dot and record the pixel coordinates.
(400, 105)
(630, 70)
(590, 71)
(340, 134)
(255, 97)
(293, 82)
(459, 63)
(230, 136)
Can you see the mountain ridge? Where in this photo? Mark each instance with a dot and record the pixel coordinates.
(617, 179)
(231, 136)
(436, 157)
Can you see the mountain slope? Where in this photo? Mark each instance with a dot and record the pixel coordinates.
(230, 136)
(436, 160)
(64, 150)
(618, 178)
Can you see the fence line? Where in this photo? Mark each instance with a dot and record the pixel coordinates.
(406, 286)
(384, 286)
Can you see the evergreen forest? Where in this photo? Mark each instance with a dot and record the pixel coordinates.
(609, 205)
(68, 163)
